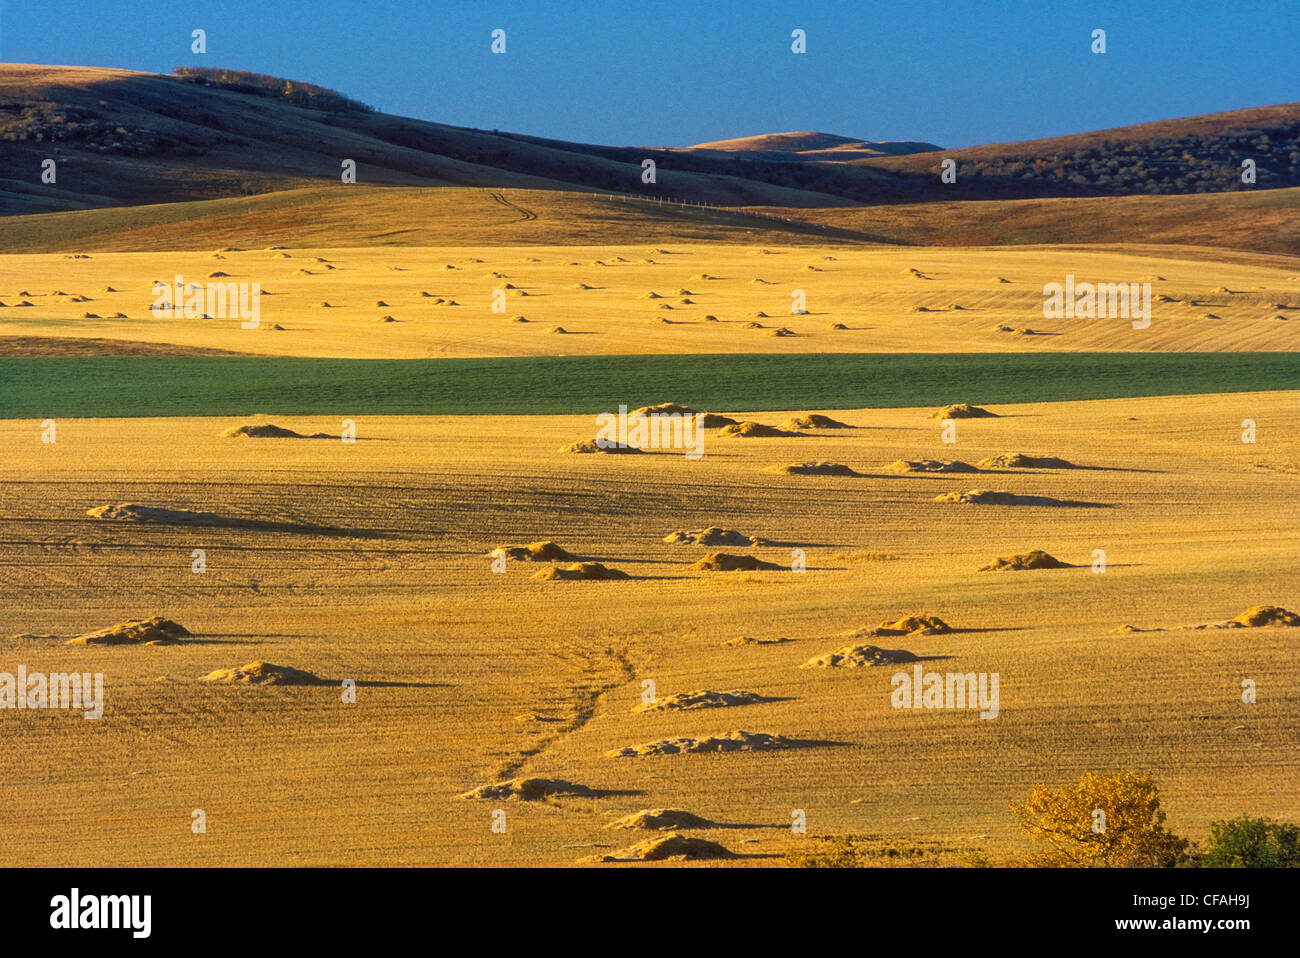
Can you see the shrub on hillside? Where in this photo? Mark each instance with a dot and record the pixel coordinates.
(1102, 822)
(306, 95)
(1247, 842)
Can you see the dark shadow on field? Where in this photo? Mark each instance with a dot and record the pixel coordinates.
(781, 544)
(730, 856)
(1053, 470)
(377, 684)
(657, 578)
(615, 561)
(743, 826)
(801, 743)
(246, 525)
(214, 640)
(1044, 502)
(247, 635)
(315, 435)
(947, 476)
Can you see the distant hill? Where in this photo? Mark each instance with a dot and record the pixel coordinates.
(124, 138)
(809, 147)
(1197, 154)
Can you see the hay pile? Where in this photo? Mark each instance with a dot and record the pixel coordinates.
(587, 446)
(930, 465)
(1267, 615)
(664, 409)
(727, 562)
(545, 551)
(579, 570)
(754, 430)
(667, 847)
(986, 497)
(702, 699)
(154, 631)
(712, 536)
(269, 431)
(916, 624)
(1258, 616)
(1018, 460)
(964, 411)
(813, 469)
(264, 673)
(529, 789)
(1034, 559)
(813, 421)
(713, 420)
(739, 741)
(659, 819)
(858, 657)
(130, 512)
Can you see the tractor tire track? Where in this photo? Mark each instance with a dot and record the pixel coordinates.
(524, 214)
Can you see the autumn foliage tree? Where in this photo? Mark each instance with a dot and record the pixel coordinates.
(1102, 822)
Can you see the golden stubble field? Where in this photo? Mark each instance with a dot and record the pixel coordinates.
(466, 676)
(418, 302)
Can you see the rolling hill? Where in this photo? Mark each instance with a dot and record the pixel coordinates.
(1197, 154)
(121, 137)
(809, 147)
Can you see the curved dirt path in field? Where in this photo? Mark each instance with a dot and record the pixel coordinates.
(596, 672)
(524, 214)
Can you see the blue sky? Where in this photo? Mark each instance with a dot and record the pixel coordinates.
(675, 73)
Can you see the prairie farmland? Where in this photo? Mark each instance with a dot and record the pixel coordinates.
(372, 561)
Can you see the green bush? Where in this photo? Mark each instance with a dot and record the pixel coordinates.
(1247, 842)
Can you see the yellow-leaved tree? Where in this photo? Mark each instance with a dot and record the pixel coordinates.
(1104, 821)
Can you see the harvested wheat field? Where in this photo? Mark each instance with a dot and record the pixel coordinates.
(445, 313)
(403, 570)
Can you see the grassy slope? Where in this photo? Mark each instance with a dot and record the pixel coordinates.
(1265, 221)
(211, 386)
(368, 215)
(364, 215)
